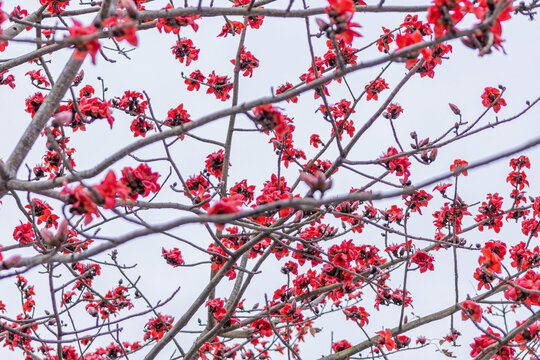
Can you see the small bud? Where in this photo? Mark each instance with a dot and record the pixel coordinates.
(424, 155)
(423, 142)
(92, 311)
(48, 237)
(131, 8)
(413, 135)
(11, 262)
(298, 216)
(322, 24)
(433, 155)
(454, 109)
(316, 182)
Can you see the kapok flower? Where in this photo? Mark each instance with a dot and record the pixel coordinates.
(471, 310)
(269, 118)
(457, 167)
(82, 48)
(423, 260)
(491, 97)
(226, 205)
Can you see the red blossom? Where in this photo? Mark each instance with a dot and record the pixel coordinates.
(184, 49)
(423, 260)
(82, 48)
(231, 27)
(283, 88)
(122, 29)
(219, 86)
(7, 80)
(471, 310)
(247, 62)
(491, 98)
(140, 181)
(172, 257)
(55, 6)
(174, 24)
(194, 81)
(375, 87)
(458, 166)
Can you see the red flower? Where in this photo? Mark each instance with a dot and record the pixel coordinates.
(156, 327)
(219, 86)
(386, 339)
(194, 81)
(267, 117)
(225, 206)
(491, 97)
(24, 233)
(43, 212)
(400, 164)
(248, 62)
(423, 260)
(174, 24)
(442, 188)
(457, 167)
(520, 163)
(263, 327)
(375, 87)
(140, 126)
(89, 46)
(184, 49)
(55, 6)
(86, 91)
(284, 88)
(214, 163)
(33, 103)
(132, 101)
(95, 109)
(341, 345)
(358, 314)
(490, 261)
(82, 202)
(38, 78)
(386, 38)
(177, 116)
(141, 181)
(245, 191)
(484, 341)
(393, 111)
(236, 28)
(471, 310)
(341, 13)
(172, 257)
(8, 80)
(314, 140)
(199, 197)
(109, 188)
(120, 30)
(444, 23)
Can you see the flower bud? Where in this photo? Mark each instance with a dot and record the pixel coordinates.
(61, 119)
(11, 262)
(322, 24)
(131, 8)
(433, 155)
(92, 311)
(454, 109)
(423, 142)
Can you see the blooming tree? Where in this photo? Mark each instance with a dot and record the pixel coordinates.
(261, 232)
